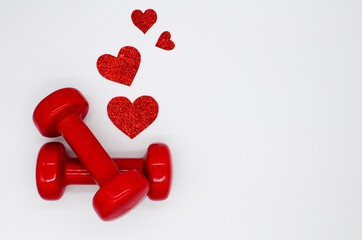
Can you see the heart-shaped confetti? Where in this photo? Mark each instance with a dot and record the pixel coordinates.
(121, 69)
(132, 118)
(165, 42)
(144, 21)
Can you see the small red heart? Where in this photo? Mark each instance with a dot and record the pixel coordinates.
(132, 118)
(121, 69)
(164, 41)
(144, 21)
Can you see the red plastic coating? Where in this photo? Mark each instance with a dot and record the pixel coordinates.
(89, 151)
(61, 113)
(55, 170)
(76, 174)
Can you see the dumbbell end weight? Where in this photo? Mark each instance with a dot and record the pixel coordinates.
(53, 109)
(50, 170)
(120, 195)
(158, 169)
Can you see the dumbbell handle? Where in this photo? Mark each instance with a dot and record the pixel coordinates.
(89, 151)
(76, 173)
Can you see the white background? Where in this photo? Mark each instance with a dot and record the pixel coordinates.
(260, 103)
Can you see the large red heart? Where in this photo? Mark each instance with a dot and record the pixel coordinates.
(144, 21)
(121, 69)
(132, 118)
(165, 42)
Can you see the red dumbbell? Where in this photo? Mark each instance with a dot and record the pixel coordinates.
(55, 170)
(62, 113)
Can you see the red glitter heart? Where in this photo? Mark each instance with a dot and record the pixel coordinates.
(121, 69)
(132, 118)
(144, 21)
(164, 41)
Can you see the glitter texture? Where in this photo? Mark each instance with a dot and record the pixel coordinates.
(144, 21)
(132, 118)
(121, 69)
(165, 42)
